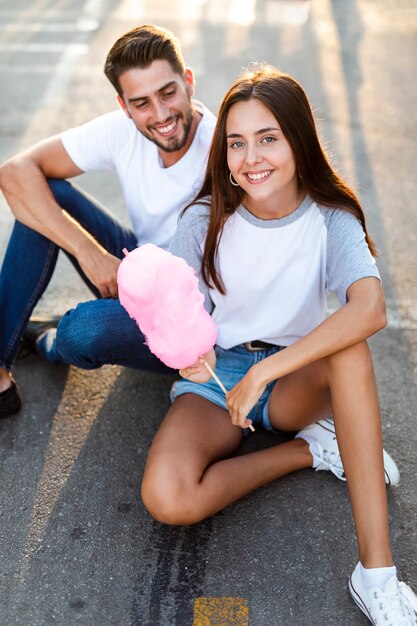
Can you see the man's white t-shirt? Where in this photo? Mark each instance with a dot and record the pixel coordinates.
(154, 195)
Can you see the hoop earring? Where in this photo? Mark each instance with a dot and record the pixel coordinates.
(299, 173)
(232, 180)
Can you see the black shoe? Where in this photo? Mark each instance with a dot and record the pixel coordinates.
(10, 401)
(34, 329)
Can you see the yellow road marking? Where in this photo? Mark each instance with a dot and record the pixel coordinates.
(221, 612)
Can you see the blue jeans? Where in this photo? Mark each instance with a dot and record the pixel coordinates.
(93, 333)
(231, 366)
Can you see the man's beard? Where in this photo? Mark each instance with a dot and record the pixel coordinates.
(173, 144)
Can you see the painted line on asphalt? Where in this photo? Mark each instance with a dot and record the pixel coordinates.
(67, 55)
(227, 611)
(44, 68)
(83, 25)
(76, 49)
(56, 90)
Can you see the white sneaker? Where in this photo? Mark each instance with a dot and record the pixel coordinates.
(323, 446)
(395, 605)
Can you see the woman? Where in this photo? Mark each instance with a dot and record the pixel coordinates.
(272, 229)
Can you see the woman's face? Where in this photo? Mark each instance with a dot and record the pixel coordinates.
(260, 158)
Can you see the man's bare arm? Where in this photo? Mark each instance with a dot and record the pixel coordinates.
(23, 182)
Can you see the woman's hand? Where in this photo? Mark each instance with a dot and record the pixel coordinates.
(198, 372)
(243, 397)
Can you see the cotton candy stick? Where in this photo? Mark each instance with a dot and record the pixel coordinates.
(160, 292)
(222, 387)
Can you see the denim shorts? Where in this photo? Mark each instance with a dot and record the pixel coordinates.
(231, 366)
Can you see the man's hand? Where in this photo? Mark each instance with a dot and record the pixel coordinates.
(23, 182)
(100, 267)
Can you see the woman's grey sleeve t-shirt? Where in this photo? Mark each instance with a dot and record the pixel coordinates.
(280, 268)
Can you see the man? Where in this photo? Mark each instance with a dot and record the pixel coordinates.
(158, 143)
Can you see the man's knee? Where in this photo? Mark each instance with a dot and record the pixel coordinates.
(79, 338)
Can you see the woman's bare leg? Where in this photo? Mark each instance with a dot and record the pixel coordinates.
(189, 474)
(359, 434)
(346, 377)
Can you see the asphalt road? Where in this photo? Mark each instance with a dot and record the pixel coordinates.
(76, 544)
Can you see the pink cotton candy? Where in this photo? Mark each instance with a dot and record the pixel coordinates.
(160, 292)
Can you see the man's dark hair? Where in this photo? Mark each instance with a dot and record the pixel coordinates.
(139, 48)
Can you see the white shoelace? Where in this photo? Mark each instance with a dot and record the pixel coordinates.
(327, 459)
(410, 599)
(398, 604)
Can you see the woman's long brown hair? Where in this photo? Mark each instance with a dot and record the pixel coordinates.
(287, 101)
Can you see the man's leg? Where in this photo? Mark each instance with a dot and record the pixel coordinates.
(31, 258)
(27, 268)
(97, 333)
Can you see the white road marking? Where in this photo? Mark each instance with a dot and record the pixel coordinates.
(44, 68)
(64, 67)
(74, 48)
(85, 25)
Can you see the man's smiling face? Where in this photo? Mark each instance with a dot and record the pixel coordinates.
(158, 100)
